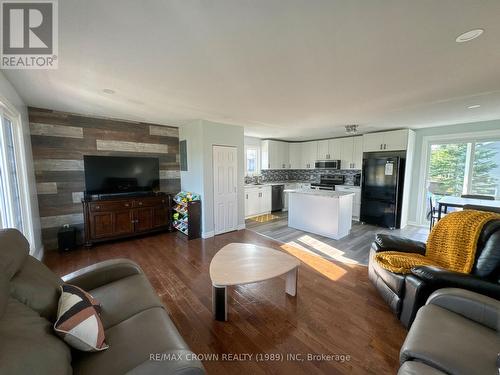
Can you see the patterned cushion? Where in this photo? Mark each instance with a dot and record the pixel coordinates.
(78, 322)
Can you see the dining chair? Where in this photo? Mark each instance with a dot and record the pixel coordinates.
(479, 196)
(432, 215)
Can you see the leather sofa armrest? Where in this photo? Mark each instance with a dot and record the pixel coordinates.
(481, 309)
(102, 273)
(438, 278)
(386, 242)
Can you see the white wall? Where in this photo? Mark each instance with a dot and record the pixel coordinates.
(10, 98)
(201, 136)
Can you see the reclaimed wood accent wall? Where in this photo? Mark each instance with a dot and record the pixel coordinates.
(59, 140)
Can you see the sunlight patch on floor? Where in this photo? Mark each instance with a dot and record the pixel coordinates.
(328, 250)
(264, 218)
(315, 261)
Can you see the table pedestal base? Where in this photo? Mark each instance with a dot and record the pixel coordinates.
(219, 295)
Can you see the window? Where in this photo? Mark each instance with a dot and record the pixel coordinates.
(12, 213)
(251, 161)
(467, 167)
(13, 208)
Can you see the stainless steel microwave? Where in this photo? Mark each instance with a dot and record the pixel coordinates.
(327, 164)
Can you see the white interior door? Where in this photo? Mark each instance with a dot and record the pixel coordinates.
(225, 189)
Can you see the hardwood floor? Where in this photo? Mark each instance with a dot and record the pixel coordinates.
(336, 310)
(353, 248)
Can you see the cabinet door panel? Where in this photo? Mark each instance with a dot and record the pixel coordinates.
(346, 154)
(322, 150)
(143, 219)
(101, 224)
(265, 200)
(252, 202)
(160, 216)
(123, 222)
(373, 142)
(396, 140)
(295, 150)
(357, 153)
(335, 148)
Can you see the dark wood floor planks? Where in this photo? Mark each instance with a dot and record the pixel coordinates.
(336, 311)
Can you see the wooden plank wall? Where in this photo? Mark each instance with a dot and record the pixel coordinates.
(59, 140)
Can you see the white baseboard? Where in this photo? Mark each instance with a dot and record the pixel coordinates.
(208, 234)
(415, 224)
(241, 226)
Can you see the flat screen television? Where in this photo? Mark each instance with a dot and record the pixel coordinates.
(120, 175)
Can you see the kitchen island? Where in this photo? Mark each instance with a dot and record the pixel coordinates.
(324, 212)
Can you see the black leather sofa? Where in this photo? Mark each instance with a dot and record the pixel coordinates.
(405, 294)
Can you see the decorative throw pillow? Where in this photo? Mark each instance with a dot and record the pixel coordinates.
(78, 322)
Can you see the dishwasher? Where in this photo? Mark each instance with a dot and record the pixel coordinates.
(277, 197)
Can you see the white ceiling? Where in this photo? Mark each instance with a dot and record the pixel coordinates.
(290, 69)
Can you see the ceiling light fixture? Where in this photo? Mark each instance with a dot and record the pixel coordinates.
(351, 129)
(469, 35)
(474, 106)
(108, 91)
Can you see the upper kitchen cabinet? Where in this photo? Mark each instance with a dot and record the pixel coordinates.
(386, 141)
(275, 155)
(295, 151)
(335, 148)
(351, 156)
(329, 149)
(309, 154)
(323, 150)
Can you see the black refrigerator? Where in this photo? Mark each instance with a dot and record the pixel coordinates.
(382, 188)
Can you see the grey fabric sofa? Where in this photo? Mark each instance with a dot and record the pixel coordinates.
(137, 327)
(456, 332)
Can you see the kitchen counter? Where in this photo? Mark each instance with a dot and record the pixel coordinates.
(278, 183)
(323, 193)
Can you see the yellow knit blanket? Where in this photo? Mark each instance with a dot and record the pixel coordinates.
(451, 245)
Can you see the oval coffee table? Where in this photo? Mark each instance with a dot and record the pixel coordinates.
(241, 263)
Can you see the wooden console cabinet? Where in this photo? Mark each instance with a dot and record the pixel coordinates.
(108, 219)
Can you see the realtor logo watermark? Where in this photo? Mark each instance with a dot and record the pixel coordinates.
(29, 34)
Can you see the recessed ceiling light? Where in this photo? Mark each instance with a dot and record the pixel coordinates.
(469, 35)
(474, 106)
(108, 91)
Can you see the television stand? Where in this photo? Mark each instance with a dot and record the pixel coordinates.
(121, 216)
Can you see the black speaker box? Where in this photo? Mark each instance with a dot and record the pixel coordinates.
(66, 238)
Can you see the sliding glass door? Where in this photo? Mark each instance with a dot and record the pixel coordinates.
(465, 167)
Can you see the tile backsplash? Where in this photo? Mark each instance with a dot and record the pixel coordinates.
(313, 175)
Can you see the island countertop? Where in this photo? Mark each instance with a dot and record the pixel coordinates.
(322, 193)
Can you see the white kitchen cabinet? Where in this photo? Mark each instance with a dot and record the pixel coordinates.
(346, 154)
(386, 141)
(396, 140)
(275, 155)
(323, 150)
(309, 154)
(335, 148)
(356, 202)
(257, 200)
(329, 149)
(357, 153)
(295, 151)
(352, 153)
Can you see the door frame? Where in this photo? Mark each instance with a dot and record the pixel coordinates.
(214, 146)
